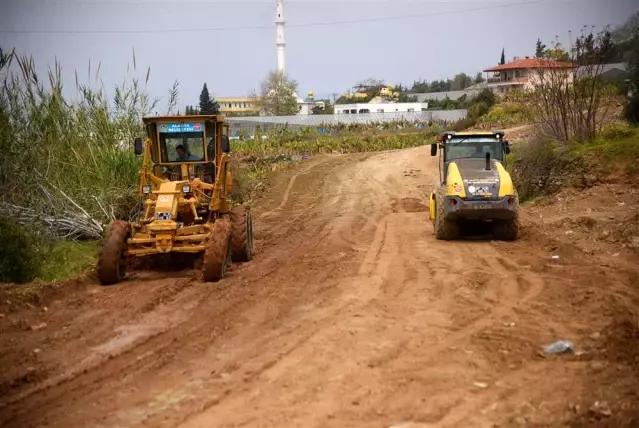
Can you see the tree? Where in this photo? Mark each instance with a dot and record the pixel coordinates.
(191, 111)
(557, 52)
(277, 95)
(607, 49)
(571, 98)
(486, 96)
(420, 87)
(461, 81)
(629, 30)
(540, 50)
(372, 83)
(503, 57)
(479, 78)
(207, 104)
(327, 109)
(400, 88)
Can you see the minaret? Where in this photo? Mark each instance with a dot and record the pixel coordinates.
(281, 43)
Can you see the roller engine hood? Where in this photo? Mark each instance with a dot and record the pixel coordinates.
(477, 180)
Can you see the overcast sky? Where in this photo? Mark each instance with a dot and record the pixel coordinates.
(430, 39)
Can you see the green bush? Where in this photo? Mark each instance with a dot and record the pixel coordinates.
(485, 96)
(18, 261)
(539, 168)
(616, 131)
(478, 110)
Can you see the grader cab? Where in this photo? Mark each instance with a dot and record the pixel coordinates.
(183, 191)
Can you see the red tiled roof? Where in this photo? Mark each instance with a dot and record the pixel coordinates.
(528, 63)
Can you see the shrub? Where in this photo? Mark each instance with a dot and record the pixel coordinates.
(616, 131)
(478, 110)
(485, 96)
(17, 258)
(538, 168)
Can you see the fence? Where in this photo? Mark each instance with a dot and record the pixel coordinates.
(248, 125)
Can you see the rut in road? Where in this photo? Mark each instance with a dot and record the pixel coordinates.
(351, 314)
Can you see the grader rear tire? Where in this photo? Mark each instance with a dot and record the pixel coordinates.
(112, 259)
(445, 230)
(216, 256)
(241, 234)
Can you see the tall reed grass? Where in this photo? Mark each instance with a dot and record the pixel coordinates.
(64, 159)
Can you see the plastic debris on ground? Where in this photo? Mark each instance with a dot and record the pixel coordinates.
(560, 347)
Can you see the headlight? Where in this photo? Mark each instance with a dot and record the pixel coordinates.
(146, 189)
(186, 188)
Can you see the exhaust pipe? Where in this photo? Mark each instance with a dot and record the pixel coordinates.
(488, 161)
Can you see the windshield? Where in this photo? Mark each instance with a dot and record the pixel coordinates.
(182, 142)
(473, 147)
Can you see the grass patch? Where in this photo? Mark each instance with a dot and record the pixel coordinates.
(615, 150)
(26, 255)
(65, 259)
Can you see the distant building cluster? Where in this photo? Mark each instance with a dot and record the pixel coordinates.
(521, 74)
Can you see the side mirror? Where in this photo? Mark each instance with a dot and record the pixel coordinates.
(506, 148)
(433, 149)
(137, 146)
(226, 145)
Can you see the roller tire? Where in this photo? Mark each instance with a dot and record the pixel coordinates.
(216, 256)
(241, 234)
(112, 260)
(445, 230)
(508, 230)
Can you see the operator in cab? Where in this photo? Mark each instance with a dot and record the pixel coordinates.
(182, 155)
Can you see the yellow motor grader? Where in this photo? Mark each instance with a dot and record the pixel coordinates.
(183, 192)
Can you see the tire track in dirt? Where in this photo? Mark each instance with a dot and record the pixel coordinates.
(285, 197)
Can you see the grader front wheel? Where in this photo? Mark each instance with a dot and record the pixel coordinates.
(241, 235)
(112, 259)
(216, 256)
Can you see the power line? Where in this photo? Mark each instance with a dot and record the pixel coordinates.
(288, 2)
(270, 27)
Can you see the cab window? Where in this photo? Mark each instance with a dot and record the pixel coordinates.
(182, 142)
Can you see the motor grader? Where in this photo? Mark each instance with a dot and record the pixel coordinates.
(183, 198)
(474, 187)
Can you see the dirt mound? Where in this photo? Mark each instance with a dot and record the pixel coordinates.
(625, 232)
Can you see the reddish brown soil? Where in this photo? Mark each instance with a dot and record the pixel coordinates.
(350, 315)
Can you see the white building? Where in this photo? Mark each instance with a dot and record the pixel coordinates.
(380, 108)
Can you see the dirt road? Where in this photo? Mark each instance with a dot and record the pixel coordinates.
(350, 315)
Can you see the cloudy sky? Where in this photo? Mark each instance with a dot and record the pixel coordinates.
(331, 44)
